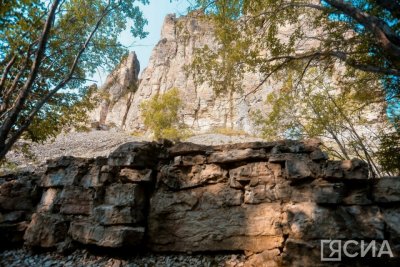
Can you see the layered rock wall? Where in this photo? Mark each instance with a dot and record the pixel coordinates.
(273, 201)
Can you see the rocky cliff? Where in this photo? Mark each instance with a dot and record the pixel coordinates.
(117, 92)
(272, 201)
(202, 110)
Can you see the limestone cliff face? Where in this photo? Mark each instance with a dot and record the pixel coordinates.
(202, 110)
(117, 92)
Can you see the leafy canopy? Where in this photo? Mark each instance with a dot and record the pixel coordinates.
(48, 49)
(267, 36)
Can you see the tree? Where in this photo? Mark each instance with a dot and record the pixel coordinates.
(354, 43)
(47, 51)
(348, 125)
(363, 34)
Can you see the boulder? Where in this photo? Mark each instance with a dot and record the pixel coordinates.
(135, 155)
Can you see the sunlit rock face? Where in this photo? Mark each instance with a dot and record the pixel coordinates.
(202, 110)
(116, 94)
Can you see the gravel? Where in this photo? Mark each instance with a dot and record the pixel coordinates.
(221, 139)
(79, 144)
(26, 258)
(93, 144)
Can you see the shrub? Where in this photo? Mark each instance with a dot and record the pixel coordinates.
(160, 115)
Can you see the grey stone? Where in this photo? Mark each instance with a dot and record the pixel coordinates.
(132, 195)
(386, 189)
(113, 215)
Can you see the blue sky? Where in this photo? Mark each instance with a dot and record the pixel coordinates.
(155, 13)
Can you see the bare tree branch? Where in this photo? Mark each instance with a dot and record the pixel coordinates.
(6, 71)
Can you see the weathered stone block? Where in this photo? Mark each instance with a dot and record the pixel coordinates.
(266, 193)
(297, 169)
(188, 148)
(113, 215)
(93, 178)
(257, 172)
(65, 171)
(45, 230)
(189, 160)
(77, 200)
(360, 195)
(135, 154)
(391, 216)
(386, 189)
(17, 195)
(192, 176)
(327, 193)
(230, 156)
(318, 155)
(113, 236)
(203, 198)
(346, 169)
(250, 227)
(132, 195)
(135, 176)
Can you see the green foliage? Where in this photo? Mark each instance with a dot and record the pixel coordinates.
(160, 115)
(389, 151)
(21, 25)
(341, 116)
(70, 112)
(352, 45)
(265, 36)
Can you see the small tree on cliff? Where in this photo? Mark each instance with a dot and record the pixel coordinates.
(47, 49)
(160, 115)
